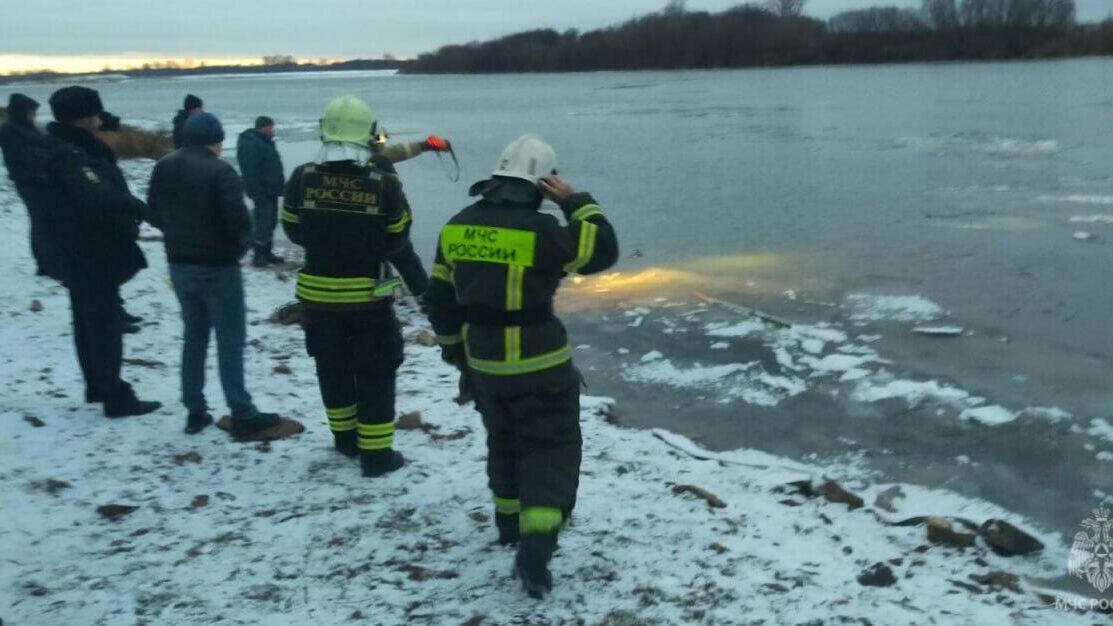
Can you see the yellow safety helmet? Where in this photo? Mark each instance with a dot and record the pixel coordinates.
(348, 120)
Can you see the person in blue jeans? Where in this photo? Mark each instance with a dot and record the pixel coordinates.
(196, 200)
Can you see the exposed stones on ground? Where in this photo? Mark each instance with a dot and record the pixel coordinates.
(410, 421)
(116, 512)
(877, 575)
(829, 490)
(834, 492)
(185, 457)
(475, 620)
(36, 306)
(775, 587)
(966, 586)
(34, 421)
(608, 413)
(283, 369)
(264, 593)
(290, 314)
(35, 589)
(885, 499)
(626, 618)
(356, 616)
(941, 532)
(264, 447)
(199, 501)
(425, 338)
(285, 428)
(711, 499)
(718, 548)
(479, 517)
(418, 573)
(50, 486)
(147, 363)
(998, 580)
(1008, 540)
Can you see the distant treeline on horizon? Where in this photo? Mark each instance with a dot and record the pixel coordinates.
(776, 33)
(275, 65)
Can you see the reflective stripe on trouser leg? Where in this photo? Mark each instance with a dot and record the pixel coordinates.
(507, 506)
(540, 520)
(376, 436)
(342, 420)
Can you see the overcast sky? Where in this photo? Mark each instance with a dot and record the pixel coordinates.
(321, 28)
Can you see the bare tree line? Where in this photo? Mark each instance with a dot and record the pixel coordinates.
(776, 32)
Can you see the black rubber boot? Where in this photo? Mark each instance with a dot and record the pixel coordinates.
(376, 463)
(531, 566)
(244, 427)
(509, 532)
(196, 422)
(129, 406)
(346, 443)
(271, 257)
(259, 257)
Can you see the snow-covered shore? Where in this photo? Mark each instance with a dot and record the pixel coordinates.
(288, 533)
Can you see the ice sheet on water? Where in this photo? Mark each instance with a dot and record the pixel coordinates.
(866, 307)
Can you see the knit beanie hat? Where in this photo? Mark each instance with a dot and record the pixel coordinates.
(203, 129)
(192, 102)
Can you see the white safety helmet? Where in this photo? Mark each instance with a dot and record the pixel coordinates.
(528, 158)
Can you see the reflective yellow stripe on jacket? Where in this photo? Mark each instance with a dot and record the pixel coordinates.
(326, 290)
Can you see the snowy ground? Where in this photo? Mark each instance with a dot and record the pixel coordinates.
(288, 533)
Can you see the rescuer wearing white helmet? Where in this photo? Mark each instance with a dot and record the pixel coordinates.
(499, 263)
(353, 220)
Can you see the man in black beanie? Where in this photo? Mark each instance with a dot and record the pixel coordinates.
(98, 224)
(192, 105)
(25, 152)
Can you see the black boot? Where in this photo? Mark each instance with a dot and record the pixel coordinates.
(272, 258)
(509, 533)
(259, 258)
(129, 406)
(196, 422)
(346, 443)
(531, 566)
(377, 463)
(247, 426)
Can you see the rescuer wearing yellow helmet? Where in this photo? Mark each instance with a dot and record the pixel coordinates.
(499, 264)
(353, 220)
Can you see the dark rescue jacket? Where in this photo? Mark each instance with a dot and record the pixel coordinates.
(498, 268)
(353, 221)
(90, 209)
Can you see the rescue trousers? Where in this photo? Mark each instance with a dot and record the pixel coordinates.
(98, 337)
(358, 354)
(534, 445)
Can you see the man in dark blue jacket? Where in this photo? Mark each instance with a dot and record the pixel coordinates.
(263, 180)
(192, 105)
(96, 220)
(196, 200)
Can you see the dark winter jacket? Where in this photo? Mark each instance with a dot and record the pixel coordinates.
(499, 264)
(89, 210)
(260, 165)
(25, 154)
(179, 125)
(352, 221)
(196, 200)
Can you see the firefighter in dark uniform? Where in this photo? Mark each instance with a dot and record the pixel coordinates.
(353, 221)
(499, 263)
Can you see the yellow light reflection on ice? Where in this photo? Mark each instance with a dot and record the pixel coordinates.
(755, 273)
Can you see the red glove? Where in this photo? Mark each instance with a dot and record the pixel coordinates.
(436, 143)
